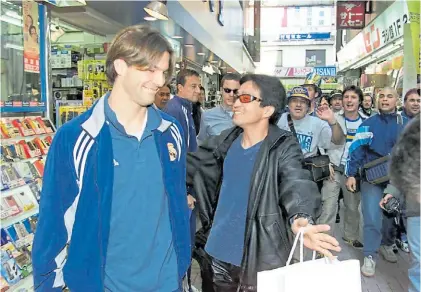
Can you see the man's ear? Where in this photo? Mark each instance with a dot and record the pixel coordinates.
(179, 87)
(120, 67)
(269, 111)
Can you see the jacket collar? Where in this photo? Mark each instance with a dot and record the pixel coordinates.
(272, 139)
(96, 120)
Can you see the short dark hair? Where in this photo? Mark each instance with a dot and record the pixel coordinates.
(230, 76)
(140, 46)
(355, 89)
(411, 91)
(272, 92)
(202, 88)
(183, 74)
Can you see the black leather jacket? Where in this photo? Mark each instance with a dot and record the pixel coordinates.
(280, 188)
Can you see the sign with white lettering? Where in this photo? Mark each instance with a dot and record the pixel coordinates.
(350, 15)
(305, 36)
(384, 29)
(325, 71)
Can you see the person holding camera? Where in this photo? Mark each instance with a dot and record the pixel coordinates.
(368, 155)
(404, 191)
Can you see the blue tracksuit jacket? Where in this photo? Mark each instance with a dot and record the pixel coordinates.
(375, 138)
(70, 244)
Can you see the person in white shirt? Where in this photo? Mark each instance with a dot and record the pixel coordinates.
(312, 132)
(349, 120)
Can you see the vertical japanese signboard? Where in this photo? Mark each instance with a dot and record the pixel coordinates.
(350, 15)
(30, 36)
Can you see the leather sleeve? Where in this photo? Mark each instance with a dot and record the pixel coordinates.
(298, 193)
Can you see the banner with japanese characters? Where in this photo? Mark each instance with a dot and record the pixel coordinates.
(30, 36)
(350, 15)
(385, 29)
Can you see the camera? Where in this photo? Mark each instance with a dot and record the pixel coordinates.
(392, 206)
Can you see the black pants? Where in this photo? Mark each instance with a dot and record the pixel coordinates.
(219, 276)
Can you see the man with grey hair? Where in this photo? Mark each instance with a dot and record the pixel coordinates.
(372, 144)
(405, 186)
(215, 120)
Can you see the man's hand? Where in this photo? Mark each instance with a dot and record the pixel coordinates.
(385, 200)
(326, 114)
(315, 238)
(351, 184)
(191, 201)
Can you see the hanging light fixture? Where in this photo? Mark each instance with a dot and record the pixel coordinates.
(157, 9)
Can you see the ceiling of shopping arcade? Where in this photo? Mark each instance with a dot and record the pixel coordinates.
(101, 18)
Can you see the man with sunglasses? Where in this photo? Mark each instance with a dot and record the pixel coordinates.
(250, 186)
(215, 120)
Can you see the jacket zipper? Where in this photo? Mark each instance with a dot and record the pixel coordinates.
(99, 216)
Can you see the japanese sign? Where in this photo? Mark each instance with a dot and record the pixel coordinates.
(383, 30)
(30, 36)
(305, 36)
(292, 72)
(350, 15)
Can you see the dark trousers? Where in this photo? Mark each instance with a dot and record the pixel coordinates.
(219, 276)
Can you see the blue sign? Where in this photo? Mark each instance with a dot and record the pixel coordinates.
(325, 71)
(306, 36)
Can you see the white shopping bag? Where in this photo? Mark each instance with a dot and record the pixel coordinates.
(322, 275)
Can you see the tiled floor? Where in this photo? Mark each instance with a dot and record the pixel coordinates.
(389, 277)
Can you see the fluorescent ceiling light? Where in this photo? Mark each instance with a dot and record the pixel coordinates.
(214, 62)
(13, 14)
(201, 54)
(11, 20)
(157, 9)
(13, 46)
(149, 18)
(177, 37)
(189, 46)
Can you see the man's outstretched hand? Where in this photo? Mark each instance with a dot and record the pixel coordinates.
(315, 237)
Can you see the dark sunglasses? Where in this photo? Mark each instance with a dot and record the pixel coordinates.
(247, 98)
(228, 90)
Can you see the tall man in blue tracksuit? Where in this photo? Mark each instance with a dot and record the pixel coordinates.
(181, 108)
(374, 139)
(113, 215)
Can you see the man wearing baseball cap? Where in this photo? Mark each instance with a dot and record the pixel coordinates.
(312, 84)
(312, 132)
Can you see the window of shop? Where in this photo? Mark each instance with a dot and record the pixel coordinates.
(20, 54)
(315, 58)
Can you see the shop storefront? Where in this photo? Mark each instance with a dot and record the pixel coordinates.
(377, 51)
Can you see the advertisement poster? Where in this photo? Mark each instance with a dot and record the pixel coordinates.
(414, 19)
(315, 58)
(30, 36)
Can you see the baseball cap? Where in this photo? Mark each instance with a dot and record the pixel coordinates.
(299, 91)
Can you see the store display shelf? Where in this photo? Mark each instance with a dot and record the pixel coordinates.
(27, 284)
(8, 141)
(19, 217)
(7, 192)
(32, 160)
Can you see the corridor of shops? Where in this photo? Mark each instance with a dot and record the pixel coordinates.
(187, 145)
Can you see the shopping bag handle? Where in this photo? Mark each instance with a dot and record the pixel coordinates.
(300, 235)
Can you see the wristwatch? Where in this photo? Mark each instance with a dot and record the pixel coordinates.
(302, 215)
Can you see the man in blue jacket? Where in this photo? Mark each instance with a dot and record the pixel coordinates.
(113, 214)
(181, 108)
(374, 139)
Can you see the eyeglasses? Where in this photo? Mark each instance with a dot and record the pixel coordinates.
(228, 90)
(247, 98)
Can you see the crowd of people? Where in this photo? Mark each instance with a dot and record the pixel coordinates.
(127, 182)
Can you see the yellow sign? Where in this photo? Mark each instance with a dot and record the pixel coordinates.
(414, 20)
